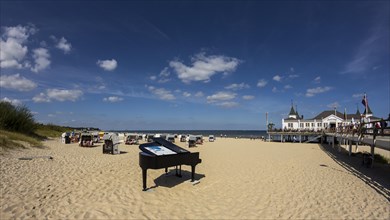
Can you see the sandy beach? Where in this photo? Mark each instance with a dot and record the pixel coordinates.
(239, 179)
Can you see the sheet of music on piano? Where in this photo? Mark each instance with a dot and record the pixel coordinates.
(160, 150)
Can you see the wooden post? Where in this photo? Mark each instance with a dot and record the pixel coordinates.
(350, 147)
(372, 153)
(333, 141)
(373, 149)
(339, 145)
(357, 144)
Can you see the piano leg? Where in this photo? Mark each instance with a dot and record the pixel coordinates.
(178, 173)
(192, 173)
(144, 179)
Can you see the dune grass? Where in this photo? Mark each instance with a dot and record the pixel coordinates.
(51, 130)
(13, 140)
(16, 118)
(18, 128)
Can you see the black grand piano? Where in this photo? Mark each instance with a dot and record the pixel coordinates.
(163, 154)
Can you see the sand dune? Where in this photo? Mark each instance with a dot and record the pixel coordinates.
(239, 178)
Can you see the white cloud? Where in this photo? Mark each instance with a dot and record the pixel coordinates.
(288, 87)
(274, 89)
(165, 72)
(312, 92)
(64, 94)
(11, 54)
(227, 104)
(41, 97)
(64, 45)
(317, 79)
(333, 105)
(277, 78)
(292, 76)
(19, 33)
(15, 102)
(163, 77)
(204, 67)
(358, 95)
(221, 96)
(13, 50)
(41, 57)
(199, 94)
(153, 78)
(58, 95)
(186, 94)
(262, 83)
(248, 97)
(108, 65)
(236, 86)
(113, 99)
(16, 82)
(372, 49)
(161, 93)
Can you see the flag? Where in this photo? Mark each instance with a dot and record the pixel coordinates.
(364, 101)
(345, 114)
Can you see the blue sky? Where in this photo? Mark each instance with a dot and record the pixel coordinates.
(193, 64)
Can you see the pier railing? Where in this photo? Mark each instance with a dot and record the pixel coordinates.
(374, 133)
(361, 129)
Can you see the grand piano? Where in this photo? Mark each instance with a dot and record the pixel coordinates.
(163, 154)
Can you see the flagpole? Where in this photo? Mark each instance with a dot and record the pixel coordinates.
(266, 119)
(366, 105)
(345, 116)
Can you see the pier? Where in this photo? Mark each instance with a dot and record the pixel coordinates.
(367, 133)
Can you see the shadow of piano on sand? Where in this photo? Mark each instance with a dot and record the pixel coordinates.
(171, 180)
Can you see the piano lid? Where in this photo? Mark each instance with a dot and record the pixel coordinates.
(159, 150)
(160, 147)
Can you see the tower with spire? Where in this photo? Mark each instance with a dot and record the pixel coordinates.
(357, 110)
(293, 113)
(367, 112)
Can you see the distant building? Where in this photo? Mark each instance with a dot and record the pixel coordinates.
(324, 120)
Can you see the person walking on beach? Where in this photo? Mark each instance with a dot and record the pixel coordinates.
(294, 139)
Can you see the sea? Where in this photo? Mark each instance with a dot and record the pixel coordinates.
(216, 133)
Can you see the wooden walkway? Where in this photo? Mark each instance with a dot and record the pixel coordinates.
(366, 134)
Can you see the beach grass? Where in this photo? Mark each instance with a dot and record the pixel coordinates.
(15, 140)
(18, 128)
(50, 130)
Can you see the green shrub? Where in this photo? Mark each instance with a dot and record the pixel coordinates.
(51, 130)
(16, 118)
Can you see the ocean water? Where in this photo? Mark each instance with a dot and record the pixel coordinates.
(216, 133)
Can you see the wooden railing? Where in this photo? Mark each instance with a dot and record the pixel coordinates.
(364, 128)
